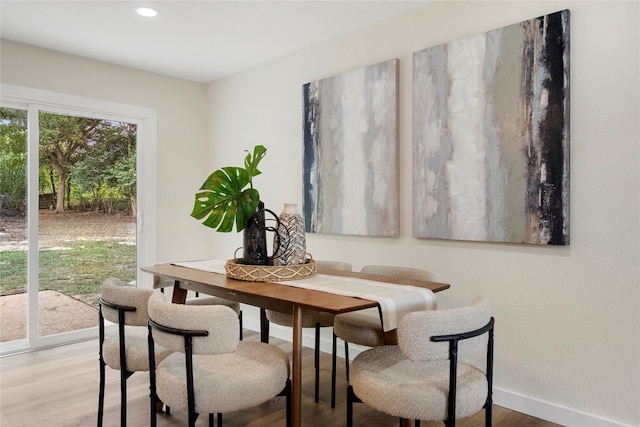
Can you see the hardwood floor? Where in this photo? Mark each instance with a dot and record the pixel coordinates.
(59, 387)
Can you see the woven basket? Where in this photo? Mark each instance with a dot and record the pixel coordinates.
(270, 273)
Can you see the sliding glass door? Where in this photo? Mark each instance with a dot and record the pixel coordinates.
(71, 216)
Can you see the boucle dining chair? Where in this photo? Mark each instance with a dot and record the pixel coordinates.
(127, 349)
(312, 319)
(164, 282)
(211, 370)
(432, 374)
(364, 327)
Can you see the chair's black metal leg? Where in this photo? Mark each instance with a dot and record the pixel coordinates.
(153, 401)
(153, 397)
(240, 320)
(219, 419)
(123, 369)
(123, 398)
(192, 419)
(346, 358)
(417, 423)
(264, 326)
(488, 406)
(333, 370)
(153, 413)
(191, 402)
(101, 393)
(487, 417)
(210, 420)
(286, 392)
(317, 362)
(350, 400)
(102, 368)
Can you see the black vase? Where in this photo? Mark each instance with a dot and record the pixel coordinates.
(254, 248)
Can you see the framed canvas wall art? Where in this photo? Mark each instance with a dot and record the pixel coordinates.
(350, 152)
(491, 135)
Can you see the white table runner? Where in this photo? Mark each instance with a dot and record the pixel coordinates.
(395, 300)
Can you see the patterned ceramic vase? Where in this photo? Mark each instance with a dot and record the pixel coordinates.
(292, 238)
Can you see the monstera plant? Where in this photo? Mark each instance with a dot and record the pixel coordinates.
(224, 198)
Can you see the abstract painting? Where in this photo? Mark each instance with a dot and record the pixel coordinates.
(491, 135)
(350, 153)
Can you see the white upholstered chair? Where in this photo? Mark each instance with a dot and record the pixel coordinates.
(164, 282)
(364, 327)
(211, 371)
(315, 320)
(125, 349)
(432, 374)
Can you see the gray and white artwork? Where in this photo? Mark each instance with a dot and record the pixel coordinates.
(491, 135)
(350, 152)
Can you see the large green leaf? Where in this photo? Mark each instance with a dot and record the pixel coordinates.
(251, 163)
(223, 199)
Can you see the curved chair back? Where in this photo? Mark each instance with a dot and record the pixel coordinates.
(404, 381)
(220, 323)
(405, 272)
(127, 352)
(334, 265)
(417, 328)
(114, 292)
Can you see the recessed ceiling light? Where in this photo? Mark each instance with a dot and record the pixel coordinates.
(147, 12)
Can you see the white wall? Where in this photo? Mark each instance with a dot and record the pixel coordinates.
(180, 132)
(568, 328)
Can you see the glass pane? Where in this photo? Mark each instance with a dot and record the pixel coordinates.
(87, 195)
(13, 225)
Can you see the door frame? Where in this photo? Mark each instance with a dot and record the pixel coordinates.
(35, 100)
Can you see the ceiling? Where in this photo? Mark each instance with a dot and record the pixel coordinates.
(195, 40)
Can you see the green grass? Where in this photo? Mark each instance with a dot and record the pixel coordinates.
(76, 270)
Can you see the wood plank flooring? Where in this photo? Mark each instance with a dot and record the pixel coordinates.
(59, 387)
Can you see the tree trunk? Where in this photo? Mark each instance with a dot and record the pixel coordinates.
(52, 181)
(60, 192)
(134, 206)
(68, 194)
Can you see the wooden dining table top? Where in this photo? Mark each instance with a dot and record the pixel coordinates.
(278, 296)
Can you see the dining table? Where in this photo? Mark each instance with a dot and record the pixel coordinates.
(285, 299)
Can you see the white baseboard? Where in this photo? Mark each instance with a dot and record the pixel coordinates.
(549, 412)
(507, 399)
